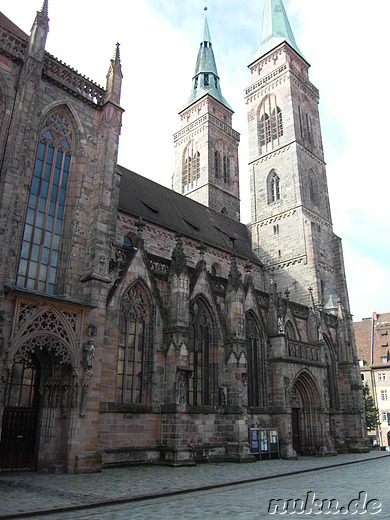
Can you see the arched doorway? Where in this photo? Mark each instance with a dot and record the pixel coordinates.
(306, 424)
(40, 395)
(41, 390)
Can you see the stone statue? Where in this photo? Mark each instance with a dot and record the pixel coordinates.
(88, 355)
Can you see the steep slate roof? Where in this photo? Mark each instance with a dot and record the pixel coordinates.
(159, 205)
(276, 29)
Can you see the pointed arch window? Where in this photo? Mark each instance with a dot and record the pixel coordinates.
(217, 163)
(270, 122)
(254, 363)
(312, 188)
(196, 166)
(277, 123)
(265, 130)
(225, 169)
(201, 382)
(273, 187)
(191, 168)
(43, 226)
(131, 368)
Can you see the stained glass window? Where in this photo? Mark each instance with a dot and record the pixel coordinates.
(132, 346)
(43, 226)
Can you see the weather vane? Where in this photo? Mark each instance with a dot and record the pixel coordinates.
(205, 5)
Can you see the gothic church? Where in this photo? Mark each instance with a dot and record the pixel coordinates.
(141, 324)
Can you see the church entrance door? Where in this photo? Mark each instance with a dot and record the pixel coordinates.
(295, 429)
(20, 418)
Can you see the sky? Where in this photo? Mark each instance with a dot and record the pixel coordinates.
(344, 41)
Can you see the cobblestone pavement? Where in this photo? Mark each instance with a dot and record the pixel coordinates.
(126, 490)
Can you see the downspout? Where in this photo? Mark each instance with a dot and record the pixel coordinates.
(10, 118)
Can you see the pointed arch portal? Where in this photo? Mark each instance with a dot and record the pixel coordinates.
(41, 388)
(306, 419)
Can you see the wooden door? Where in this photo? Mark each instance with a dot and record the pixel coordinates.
(18, 438)
(295, 429)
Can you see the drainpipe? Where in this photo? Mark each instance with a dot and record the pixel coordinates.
(10, 118)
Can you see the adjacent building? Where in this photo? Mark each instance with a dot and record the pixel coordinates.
(143, 324)
(372, 343)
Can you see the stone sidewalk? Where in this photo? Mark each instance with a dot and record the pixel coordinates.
(26, 494)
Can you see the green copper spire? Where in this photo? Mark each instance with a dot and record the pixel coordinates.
(275, 29)
(206, 79)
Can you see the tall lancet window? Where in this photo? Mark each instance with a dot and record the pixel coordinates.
(270, 123)
(201, 383)
(273, 187)
(43, 226)
(254, 362)
(132, 346)
(191, 167)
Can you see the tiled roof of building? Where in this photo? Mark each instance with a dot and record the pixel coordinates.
(157, 204)
(373, 334)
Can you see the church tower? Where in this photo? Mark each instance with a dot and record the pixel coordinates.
(206, 146)
(290, 212)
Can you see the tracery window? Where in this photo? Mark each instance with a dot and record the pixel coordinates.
(273, 187)
(253, 342)
(201, 379)
(270, 122)
(191, 169)
(45, 212)
(132, 346)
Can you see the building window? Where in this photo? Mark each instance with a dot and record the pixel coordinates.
(132, 346)
(191, 169)
(225, 168)
(45, 212)
(276, 229)
(383, 359)
(253, 342)
(270, 122)
(201, 380)
(382, 376)
(128, 242)
(384, 396)
(23, 390)
(363, 377)
(273, 187)
(312, 188)
(217, 163)
(386, 417)
(265, 130)
(197, 166)
(277, 123)
(206, 80)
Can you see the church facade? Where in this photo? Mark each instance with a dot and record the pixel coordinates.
(141, 324)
